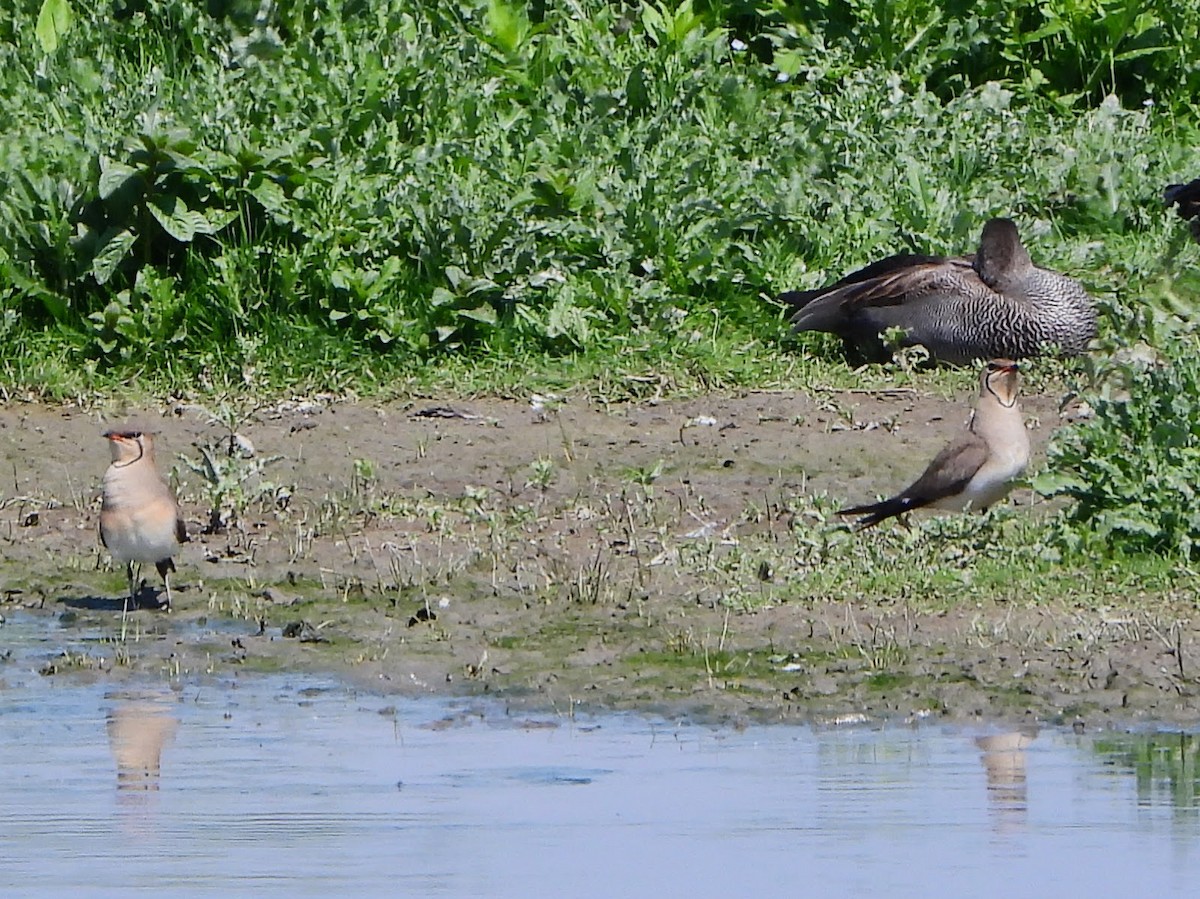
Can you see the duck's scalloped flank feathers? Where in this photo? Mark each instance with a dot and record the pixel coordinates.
(991, 303)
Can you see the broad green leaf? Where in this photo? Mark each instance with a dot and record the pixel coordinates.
(185, 163)
(1055, 483)
(484, 313)
(1137, 54)
(219, 219)
(342, 278)
(442, 297)
(53, 22)
(789, 62)
(56, 304)
(653, 22)
(505, 25)
(478, 285)
(272, 198)
(176, 140)
(1129, 522)
(390, 269)
(113, 176)
(177, 220)
(115, 247)
(1051, 28)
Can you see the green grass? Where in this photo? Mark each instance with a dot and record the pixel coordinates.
(409, 197)
(1010, 556)
(229, 199)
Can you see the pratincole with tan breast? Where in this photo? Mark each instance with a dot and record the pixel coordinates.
(140, 520)
(975, 470)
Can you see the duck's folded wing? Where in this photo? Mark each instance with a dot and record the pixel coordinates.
(889, 282)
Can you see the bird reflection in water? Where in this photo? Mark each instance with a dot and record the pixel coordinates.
(139, 727)
(1004, 761)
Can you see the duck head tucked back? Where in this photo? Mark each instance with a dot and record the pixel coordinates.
(993, 303)
(1002, 263)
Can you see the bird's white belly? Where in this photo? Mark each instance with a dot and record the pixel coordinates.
(992, 482)
(142, 539)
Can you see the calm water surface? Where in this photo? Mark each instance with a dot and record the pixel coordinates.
(296, 786)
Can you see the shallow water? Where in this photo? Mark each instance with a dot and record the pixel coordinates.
(295, 786)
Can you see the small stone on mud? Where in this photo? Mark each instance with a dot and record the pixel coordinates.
(277, 598)
(444, 412)
(824, 686)
(421, 615)
(304, 631)
(240, 445)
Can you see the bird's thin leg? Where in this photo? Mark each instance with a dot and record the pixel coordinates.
(130, 597)
(165, 567)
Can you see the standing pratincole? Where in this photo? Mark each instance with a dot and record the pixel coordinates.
(979, 467)
(139, 518)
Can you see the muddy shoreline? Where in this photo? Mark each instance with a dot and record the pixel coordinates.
(562, 554)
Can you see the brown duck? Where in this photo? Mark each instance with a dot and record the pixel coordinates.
(989, 304)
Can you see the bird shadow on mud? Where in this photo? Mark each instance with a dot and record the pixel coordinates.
(147, 598)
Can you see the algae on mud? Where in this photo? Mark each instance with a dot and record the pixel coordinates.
(697, 570)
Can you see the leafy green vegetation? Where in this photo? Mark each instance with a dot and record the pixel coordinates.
(1010, 556)
(1068, 50)
(491, 196)
(1132, 465)
(341, 194)
(1133, 468)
